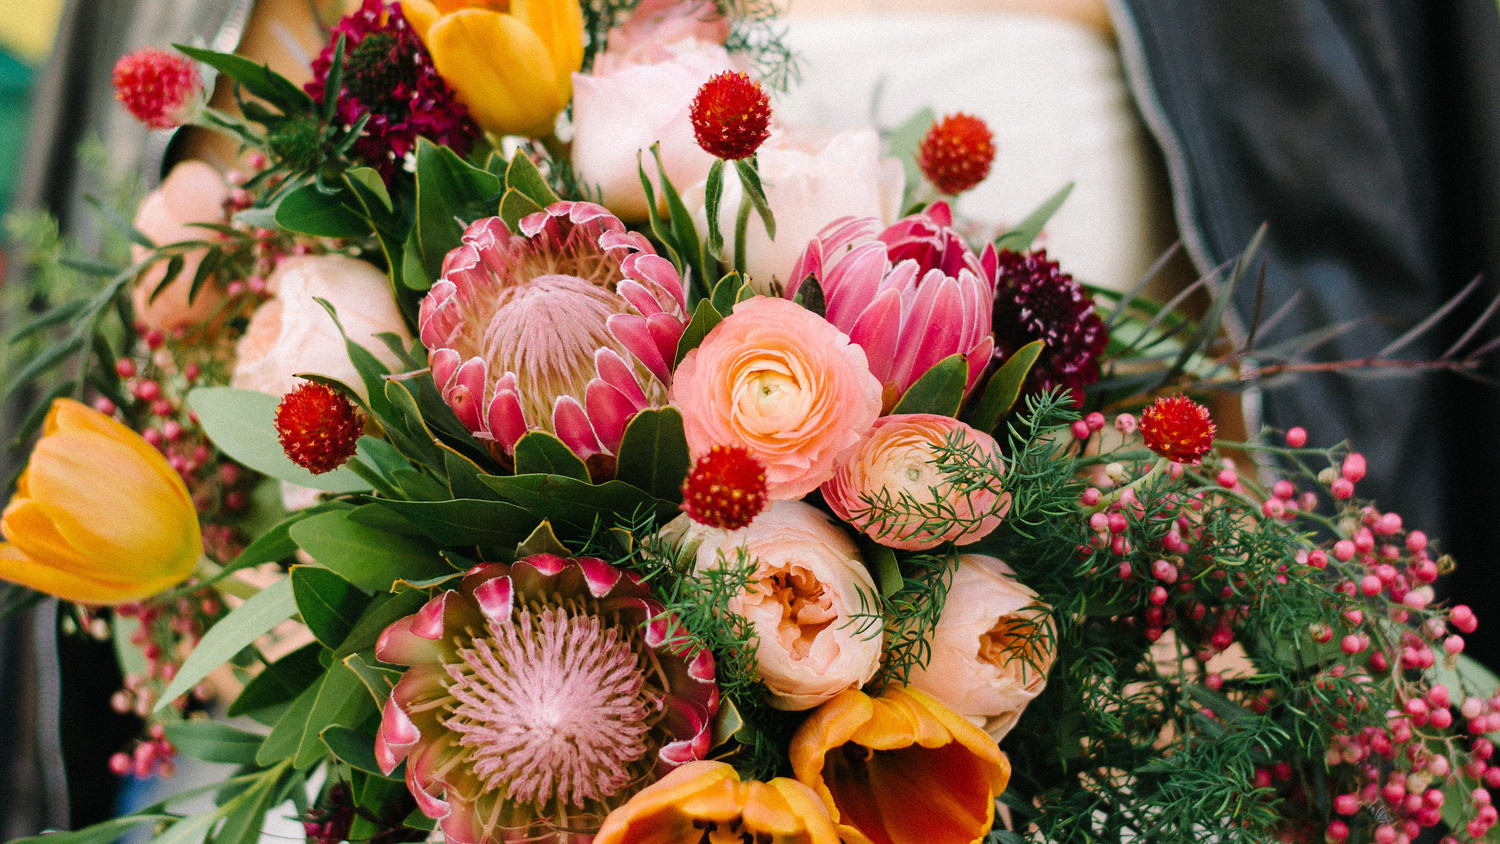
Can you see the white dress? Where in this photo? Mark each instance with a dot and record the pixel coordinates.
(1053, 92)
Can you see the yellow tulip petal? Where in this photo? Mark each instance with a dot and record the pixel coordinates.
(957, 805)
(499, 68)
(421, 15)
(16, 567)
(108, 503)
(27, 525)
(559, 25)
(68, 416)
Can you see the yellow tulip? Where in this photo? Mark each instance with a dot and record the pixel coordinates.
(511, 63)
(900, 769)
(98, 516)
(706, 798)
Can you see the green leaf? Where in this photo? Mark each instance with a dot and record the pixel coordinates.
(377, 681)
(242, 424)
(713, 193)
(310, 211)
(522, 177)
(570, 502)
(230, 635)
(356, 748)
(190, 830)
(280, 682)
(810, 296)
(940, 390)
(342, 701)
(1004, 387)
(459, 522)
(705, 317)
(514, 206)
(286, 733)
(329, 604)
(538, 452)
(730, 290)
(755, 193)
(258, 79)
(653, 454)
(370, 558)
(902, 144)
(214, 741)
(449, 189)
(246, 814)
(1019, 239)
(372, 370)
(683, 232)
(543, 540)
(105, 832)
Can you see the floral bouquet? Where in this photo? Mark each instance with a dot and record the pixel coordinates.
(535, 441)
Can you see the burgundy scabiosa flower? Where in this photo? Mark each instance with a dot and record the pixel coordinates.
(389, 76)
(318, 427)
(1178, 428)
(540, 695)
(909, 295)
(1036, 301)
(568, 326)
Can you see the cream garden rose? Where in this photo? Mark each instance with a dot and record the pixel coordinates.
(992, 647)
(291, 333)
(192, 193)
(780, 381)
(810, 601)
(893, 488)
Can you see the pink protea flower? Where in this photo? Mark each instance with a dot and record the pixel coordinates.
(569, 327)
(910, 295)
(540, 695)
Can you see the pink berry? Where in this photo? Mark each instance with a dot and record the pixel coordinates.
(1341, 488)
(1296, 437)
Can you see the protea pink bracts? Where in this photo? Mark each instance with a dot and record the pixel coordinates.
(909, 295)
(569, 326)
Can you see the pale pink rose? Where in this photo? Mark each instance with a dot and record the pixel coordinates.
(893, 488)
(654, 24)
(635, 97)
(811, 179)
(811, 602)
(291, 333)
(192, 193)
(781, 382)
(992, 648)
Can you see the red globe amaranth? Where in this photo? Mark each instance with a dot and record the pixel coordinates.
(1034, 300)
(957, 153)
(1178, 428)
(731, 116)
(318, 427)
(158, 88)
(726, 488)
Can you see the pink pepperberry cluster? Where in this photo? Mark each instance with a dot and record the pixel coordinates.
(151, 757)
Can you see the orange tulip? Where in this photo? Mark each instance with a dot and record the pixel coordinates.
(707, 798)
(900, 769)
(98, 516)
(511, 63)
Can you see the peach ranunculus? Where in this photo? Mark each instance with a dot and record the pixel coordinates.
(98, 516)
(708, 798)
(811, 179)
(510, 63)
(639, 93)
(893, 487)
(900, 768)
(291, 333)
(781, 382)
(192, 193)
(810, 602)
(992, 647)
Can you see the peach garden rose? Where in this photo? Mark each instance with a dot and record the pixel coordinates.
(192, 193)
(893, 486)
(804, 601)
(992, 647)
(781, 382)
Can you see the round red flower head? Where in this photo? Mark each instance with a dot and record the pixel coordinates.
(957, 153)
(1178, 428)
(160, 89)
(318, 427)
(540, 696)
(731, 116)
(726, 488)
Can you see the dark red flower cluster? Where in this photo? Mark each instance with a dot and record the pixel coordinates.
(957, 153)
(318, 427)
(726, 488)
(389, 76)
(1036, 301)
(731, 116)
(1178, 428)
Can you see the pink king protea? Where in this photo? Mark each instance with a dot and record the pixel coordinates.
(540, 695)
(910, 295)
(568, 327)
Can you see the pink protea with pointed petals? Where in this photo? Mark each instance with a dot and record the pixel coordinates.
(909, 295)
(540, 695)
(568, 326)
